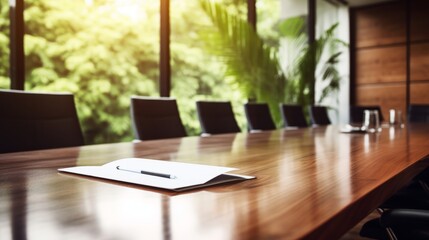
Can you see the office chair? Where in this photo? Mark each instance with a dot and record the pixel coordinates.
(418, 113)
(357, 112)
(416, 194)
(258, 116)
(32, 121)
(156, 118)
(216, 117)
(405, 215)
(398, 224)
(293, 116)
(319, 115)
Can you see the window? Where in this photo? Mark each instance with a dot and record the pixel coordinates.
(102, 51)
(198, 73)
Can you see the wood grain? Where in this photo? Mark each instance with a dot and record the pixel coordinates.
(419, 20)
(312, 183)
(419, 61)
(380, 55)
(419, 93)
(387, 96)
(380, 25)
(381, 65)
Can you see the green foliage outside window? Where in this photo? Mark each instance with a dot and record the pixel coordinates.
(252, 64)
(98, 53)
(104, 51)
(197, 74)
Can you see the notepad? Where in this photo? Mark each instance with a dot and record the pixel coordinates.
(169, 175)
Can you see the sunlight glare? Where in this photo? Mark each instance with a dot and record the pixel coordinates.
(130, 8)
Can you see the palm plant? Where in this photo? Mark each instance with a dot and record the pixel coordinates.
(254, 66)
(307, 64)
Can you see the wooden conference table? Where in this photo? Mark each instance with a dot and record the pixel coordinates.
(313, 183)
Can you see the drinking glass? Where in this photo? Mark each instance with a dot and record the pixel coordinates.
(371, 121)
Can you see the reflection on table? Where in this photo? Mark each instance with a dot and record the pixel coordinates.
(312, 182)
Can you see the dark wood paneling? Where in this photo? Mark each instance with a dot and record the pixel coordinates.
(381, 61)
(420, 20)
(17, 56)
(352, 56)
(380, 25)
(420, 61)
(419, 93)
(377, 65)
(251, 13)
(387, 96)
(164, 52)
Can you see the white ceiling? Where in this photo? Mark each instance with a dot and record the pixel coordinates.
(355, 3)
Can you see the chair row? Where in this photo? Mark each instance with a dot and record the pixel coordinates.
(157, 118)
(259, 118)
(31, 121)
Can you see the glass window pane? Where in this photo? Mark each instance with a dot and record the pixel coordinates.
(272, 18)
(268, 17)
(197, 72)
(333, 17)
(103, 51)
(290, 46)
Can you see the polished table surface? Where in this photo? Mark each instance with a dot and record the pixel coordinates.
(313, 183)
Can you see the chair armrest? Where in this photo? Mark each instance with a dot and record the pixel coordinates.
(405, 218)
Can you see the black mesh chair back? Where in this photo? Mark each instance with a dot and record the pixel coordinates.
(32, 121)
(216, 117)
(156, 118)
(319, 115)
(293, 116)
(357, 112)
(418, 113)
(258, 116)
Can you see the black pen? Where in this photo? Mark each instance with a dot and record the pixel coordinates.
(156, 174)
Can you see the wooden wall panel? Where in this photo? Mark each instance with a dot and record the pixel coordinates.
(420, 20)
(381, 65)
(380, 25)
(387, 96)
(420, 61)
(379, 55)
(419, 93)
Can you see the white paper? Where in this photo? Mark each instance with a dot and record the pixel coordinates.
(352, 129)
(186, 174)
